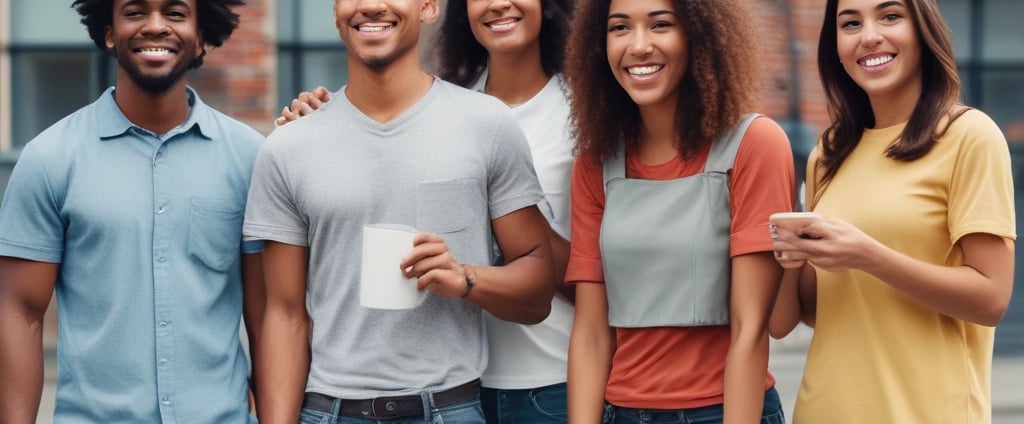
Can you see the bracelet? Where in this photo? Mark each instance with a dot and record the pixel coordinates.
(469, 283)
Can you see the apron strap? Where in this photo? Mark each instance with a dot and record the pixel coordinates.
(723, 150)
(720, 159)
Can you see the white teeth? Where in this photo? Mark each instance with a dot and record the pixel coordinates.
(153, 52)
(880, 60)
(644, 70)
(373, 27)
(503, 25)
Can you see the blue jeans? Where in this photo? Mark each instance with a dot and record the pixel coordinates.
(465, 412)
(772, 413)
(542, 405)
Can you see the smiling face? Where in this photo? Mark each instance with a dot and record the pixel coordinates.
(647, 50)
(505, 26)
(155, 41)
(380, 32)
(878, 45)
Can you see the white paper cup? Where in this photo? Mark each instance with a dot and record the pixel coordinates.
(382, 285)
(793, 222)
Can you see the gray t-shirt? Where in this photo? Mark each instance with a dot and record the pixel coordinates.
(449, 165)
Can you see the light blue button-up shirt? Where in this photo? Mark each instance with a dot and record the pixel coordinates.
(147, 230)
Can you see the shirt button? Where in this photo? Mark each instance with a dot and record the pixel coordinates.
(161, 259)
(163, 362)
(160, 211)
(163, 323)
(165, 400)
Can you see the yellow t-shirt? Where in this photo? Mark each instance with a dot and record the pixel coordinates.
(876, 355)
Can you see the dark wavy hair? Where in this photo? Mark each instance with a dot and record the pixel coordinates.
(719, 86)
(216, 21)
(850, 109)
(463, 59)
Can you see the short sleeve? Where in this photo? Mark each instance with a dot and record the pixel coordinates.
(511, 179)
(981, 189)
(31, 226)
(762, 183)
(587, 208)
(271, 212)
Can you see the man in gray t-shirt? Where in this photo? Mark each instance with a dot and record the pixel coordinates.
(396, 146)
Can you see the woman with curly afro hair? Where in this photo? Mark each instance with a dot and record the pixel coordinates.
(671, 193)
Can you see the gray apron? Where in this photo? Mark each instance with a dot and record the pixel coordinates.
(665, 243)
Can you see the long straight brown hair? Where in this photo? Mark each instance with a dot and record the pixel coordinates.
(851, 111)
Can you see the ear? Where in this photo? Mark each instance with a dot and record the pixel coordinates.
(108, 38)
(428, 11)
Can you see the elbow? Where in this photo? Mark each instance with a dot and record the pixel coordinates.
(778, 332)
(993, 315)
(535, 314)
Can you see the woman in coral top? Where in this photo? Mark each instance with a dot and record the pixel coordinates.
(671, 194)
(913, 264)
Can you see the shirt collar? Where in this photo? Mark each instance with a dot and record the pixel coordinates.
(111, 121)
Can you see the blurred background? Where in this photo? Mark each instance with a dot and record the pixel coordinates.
(49, 68)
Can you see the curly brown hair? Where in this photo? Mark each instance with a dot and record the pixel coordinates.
(720, 84)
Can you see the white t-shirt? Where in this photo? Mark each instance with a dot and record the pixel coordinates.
(529, 356)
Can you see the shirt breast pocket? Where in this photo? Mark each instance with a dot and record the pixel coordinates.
(214, 233)
(448, 206)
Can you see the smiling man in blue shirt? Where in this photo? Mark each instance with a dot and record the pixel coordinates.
(130, 209)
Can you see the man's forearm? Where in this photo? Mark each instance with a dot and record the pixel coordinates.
(21, 367)
(282, 368)
(520, 291)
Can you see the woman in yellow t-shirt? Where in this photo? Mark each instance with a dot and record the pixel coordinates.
(912, 267)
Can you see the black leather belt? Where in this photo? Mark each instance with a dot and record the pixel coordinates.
(390, 407)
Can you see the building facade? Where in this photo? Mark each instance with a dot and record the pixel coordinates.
(49, 68)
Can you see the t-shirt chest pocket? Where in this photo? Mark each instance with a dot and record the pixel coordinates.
(448, 206)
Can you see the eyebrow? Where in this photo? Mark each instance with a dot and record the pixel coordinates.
(650, 15)
(880, 6)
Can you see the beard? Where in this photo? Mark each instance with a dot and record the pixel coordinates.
(379, 63)
(154, 84)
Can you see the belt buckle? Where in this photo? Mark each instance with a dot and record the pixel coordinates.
(387, 406)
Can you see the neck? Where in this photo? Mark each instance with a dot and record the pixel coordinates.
(657, 134)
(159, 112)
(383, 94)
(516, 77)
(897, 106)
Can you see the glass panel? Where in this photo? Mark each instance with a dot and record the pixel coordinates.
(965, 88)
(305, 21)
(1004, 101)
(1003, 31)
(47, 86)
(957, 14)
(328, 68)
(317, 18)
(46, 21)
(287, 81)
(286, 20)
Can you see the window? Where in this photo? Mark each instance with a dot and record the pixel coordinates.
(990, 56)
(310, 53)
(54, 69)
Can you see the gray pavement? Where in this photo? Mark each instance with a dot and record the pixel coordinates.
(786, 363)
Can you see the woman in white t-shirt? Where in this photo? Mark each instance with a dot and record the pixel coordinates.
(513, 50)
